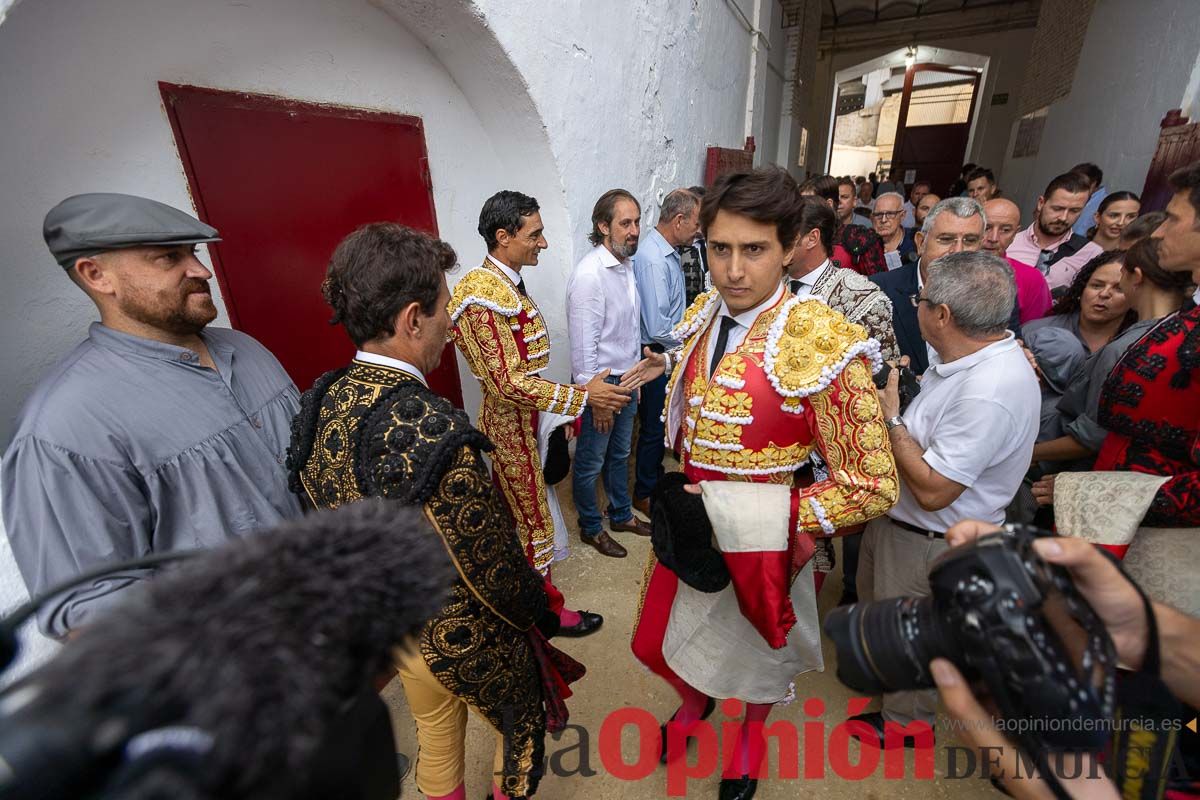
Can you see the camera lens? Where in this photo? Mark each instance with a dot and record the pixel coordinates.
(886, 646)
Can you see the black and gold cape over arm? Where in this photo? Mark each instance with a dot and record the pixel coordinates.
(373, 431)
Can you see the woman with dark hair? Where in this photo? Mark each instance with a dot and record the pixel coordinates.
(1094, 309)
(1152, 293)
(1116, 211)
(1141, 228)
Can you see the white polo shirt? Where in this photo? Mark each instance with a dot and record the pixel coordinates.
(977, 419)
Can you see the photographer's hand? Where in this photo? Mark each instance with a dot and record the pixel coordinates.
(977, 727)
(889, 395)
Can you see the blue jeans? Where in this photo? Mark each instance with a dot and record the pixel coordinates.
(607, 453)
(650, 445)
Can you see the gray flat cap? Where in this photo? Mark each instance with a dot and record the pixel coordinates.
(87, 224)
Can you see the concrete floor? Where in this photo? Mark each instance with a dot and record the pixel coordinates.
(615, 679)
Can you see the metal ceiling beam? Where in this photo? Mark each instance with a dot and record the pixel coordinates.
(930, 27)
(995, 4)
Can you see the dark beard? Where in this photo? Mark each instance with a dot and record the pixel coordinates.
(1044, 232)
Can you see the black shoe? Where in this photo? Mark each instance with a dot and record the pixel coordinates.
(742, 788)
(709, 707)
(874, 719)
(588, 624)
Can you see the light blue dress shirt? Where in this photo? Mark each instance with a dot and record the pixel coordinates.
(1087, 216)
(659, 278)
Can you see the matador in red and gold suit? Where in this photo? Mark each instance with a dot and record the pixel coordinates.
(744, 423)
(500, 331)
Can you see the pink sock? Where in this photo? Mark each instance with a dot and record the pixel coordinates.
(569, 619)
(751, 743)
(458, 794)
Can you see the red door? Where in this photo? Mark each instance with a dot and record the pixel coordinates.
(284, 182)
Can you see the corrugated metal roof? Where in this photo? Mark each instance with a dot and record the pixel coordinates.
(846, 13)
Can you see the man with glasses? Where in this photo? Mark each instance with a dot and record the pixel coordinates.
(963, 445)
(956, 224)
(897, 241)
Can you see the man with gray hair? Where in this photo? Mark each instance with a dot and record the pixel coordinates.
(886, 218)
(660, 286)
(955, 225)
(961, 447)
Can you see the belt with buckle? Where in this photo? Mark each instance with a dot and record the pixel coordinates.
(931, 534)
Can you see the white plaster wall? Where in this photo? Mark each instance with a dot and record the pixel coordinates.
(624, 93)
(631, 93)
(1007, 52)
(1134, 67)
(78, 83)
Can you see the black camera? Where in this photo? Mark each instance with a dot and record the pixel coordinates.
(1007, 620)
(909, 387)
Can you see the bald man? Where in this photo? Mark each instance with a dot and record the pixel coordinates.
(1003, 223)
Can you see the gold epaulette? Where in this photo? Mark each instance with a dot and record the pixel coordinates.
(484, 287)
(809, 344)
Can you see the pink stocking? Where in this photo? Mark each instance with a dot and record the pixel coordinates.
(694, 703)
(569, 619)
(458, 794)
(751, 743)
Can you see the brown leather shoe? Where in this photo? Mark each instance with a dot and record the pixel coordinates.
(634, 525)
(605, 544)
(642, 504)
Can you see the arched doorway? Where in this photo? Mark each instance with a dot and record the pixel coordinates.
(910, 114)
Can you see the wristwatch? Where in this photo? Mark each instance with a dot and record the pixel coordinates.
(894, 422)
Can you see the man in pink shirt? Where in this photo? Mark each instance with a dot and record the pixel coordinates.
(1048, 244)
(1003, 222)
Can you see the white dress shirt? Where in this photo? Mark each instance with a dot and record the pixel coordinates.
(394, 363)
(603, 316)
(511, 273)
(738, 332)
(808, 281)
(976, 419)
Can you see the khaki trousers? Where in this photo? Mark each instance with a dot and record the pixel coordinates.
(894, 562)
(441, 719)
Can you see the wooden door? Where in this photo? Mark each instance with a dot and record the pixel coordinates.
(284, 182)
(1178, 146)
(935, 124)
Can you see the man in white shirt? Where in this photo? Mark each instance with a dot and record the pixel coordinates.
(961, 447)
(604, 321)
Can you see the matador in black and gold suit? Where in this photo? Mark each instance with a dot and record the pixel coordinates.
(372, 430)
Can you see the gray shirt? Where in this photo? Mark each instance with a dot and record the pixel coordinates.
(1080, 405)
(130, 447)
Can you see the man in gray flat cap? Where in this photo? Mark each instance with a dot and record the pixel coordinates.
(156, 433)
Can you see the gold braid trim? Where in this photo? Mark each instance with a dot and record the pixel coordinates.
(853, 440)
(484, 287)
